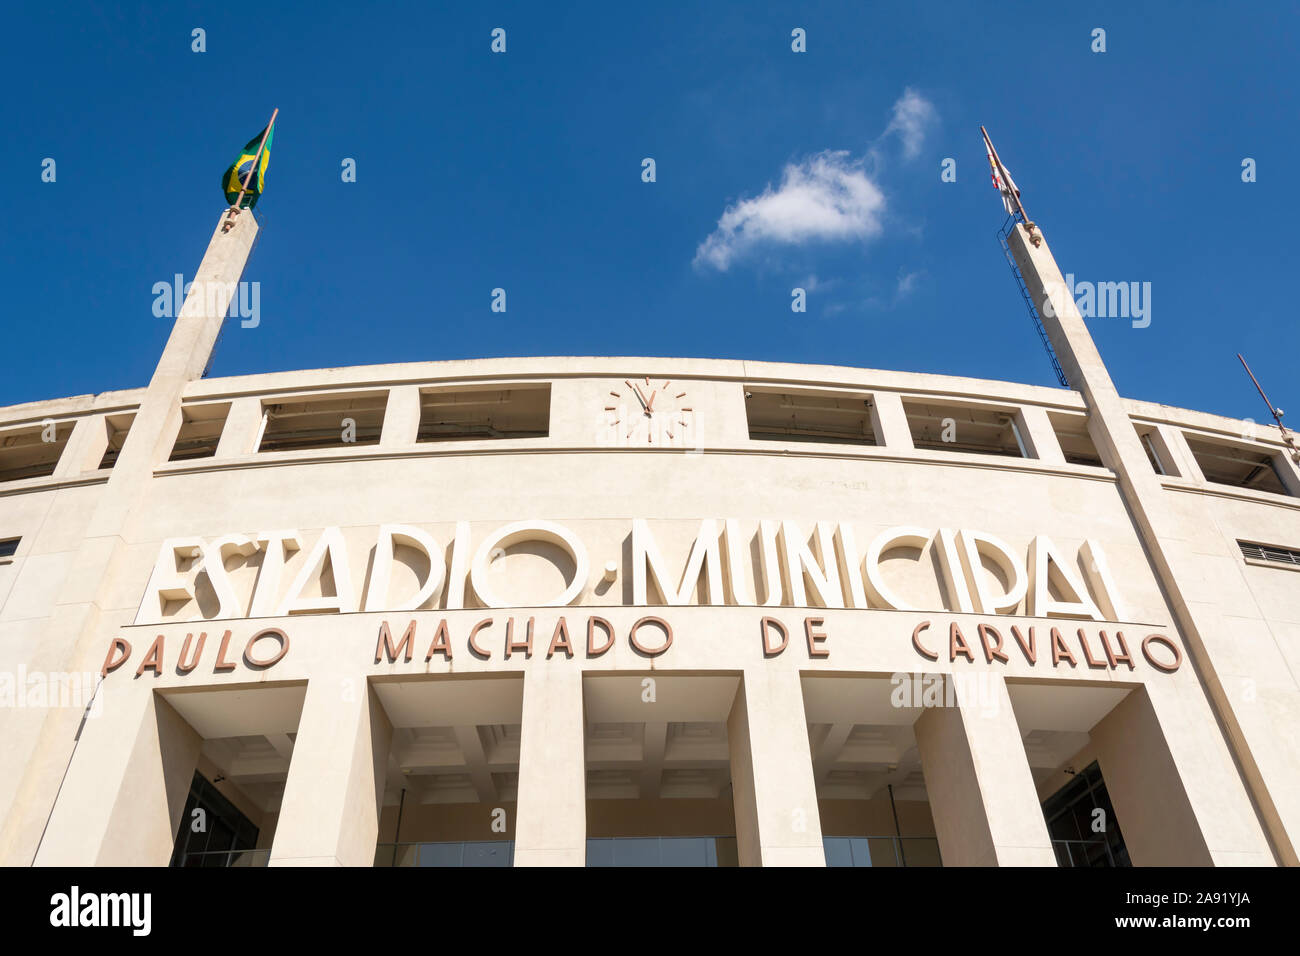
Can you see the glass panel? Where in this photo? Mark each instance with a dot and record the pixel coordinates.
(600, 852)
(839, 851)
(491, 853)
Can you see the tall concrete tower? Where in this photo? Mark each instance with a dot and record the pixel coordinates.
(1167, 534)
(91, 603)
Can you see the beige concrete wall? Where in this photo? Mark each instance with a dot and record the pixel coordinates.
(596, 491)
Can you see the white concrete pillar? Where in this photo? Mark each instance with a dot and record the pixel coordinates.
(85, 448)
(401, 417)
(551, 818)
(981, 791)
(243, 428)
(889, 421)
(772, 783)
(90, 588)
(329, 815)
(1164, 532)
(1039, 436)
(126, 787)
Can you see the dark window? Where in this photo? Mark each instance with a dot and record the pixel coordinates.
(470, 414)
(809, 416)
(662, 851)
(223, 835)
(974, 429)
(1075, 441)
(325, 421)
(9, 547)
(118, 426)
(1072, 815)
(200, 431)
(32, 451)
(1243, 466)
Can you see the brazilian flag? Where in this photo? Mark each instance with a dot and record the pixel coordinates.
(232, 180)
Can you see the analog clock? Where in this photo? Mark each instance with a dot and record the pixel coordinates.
(646, 412)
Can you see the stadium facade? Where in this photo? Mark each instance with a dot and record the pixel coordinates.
(568, 611)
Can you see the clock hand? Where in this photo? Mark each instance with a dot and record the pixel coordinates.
(639, 397)
(651, 406)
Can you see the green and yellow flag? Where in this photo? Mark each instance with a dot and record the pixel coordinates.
(232, 181)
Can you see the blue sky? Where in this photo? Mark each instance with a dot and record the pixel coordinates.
(523, 170)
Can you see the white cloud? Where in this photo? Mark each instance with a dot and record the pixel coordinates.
(906, 284)
(914, 116)
(825, 197)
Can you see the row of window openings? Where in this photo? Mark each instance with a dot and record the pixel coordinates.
(323, 422)
(817, 417)
(524, 412)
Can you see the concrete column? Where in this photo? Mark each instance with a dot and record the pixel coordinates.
(126, 787)
(551, 819)
(1168, 539)
(982, 795)
(90, 588)
(1039, 436)
(889, 421)
(772, 783)
(401, 417)
(1157, 819)
(239, 435)
(85, 448)
(329, 815)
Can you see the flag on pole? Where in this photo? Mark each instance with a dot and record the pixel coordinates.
(232, 180)
(1008, 189)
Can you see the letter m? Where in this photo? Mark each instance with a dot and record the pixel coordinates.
(384, 645)
(705, 557)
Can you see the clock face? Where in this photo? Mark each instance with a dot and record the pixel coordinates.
(649, 412)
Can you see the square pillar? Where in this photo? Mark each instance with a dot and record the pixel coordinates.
(401, 417)
(1039, 436)
(772, 782)
(126, 787)
(551, 817)
(330, 812)
(889, 421)
(243, 429)
(982, 794)
(85, 448)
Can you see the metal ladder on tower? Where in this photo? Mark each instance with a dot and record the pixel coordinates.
(1003, 233)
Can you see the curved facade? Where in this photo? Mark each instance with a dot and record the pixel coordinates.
(502, 595)
(604, 610)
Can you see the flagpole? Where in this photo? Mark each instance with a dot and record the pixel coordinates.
(234, 210)
(1006, 180)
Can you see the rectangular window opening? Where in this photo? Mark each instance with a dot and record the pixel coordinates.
(8, 547)
(487, 412)
(1272, 553)
(32, 451)
(323, 421)
(1239, 465)
(1157, 454)
(118, 426)
(972, 429)
(1075, 441)
(200, 432)
(785, 415)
